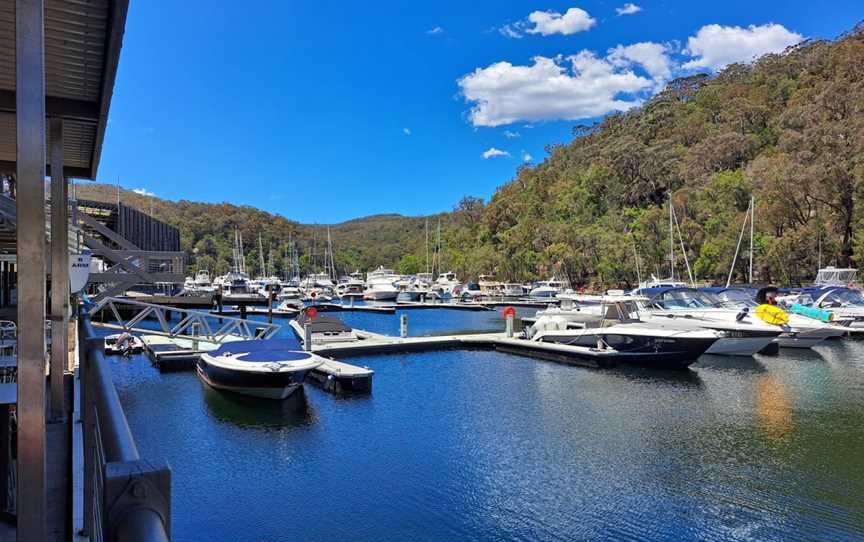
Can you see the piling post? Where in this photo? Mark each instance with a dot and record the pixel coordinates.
(509, 326)
(403, 325)
(270, 307)
(307, 337)
(242, 310)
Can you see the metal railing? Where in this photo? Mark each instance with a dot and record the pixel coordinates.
(126, 498)
(196, 324)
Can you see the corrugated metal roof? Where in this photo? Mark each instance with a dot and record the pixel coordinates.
(82, 48)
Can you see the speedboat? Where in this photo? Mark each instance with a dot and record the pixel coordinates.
(351, 286)
(123, 344)
(622, 331)
(270, 369)
(846, 305)
(489, 287)
(726, 303)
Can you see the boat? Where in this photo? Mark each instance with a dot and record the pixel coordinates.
(123, 344)
(546, 289)
(352, 286)
(269, 369)
(513, 290)
(745, 334)
(380, 285)
(622, 331)
(489, 287)
(837, 276)
(800, 332)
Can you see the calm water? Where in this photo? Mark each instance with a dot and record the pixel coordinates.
(488, 446)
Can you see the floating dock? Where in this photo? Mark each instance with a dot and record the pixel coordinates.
(339, 307)
(339, 377)
(374, 344)
(176, 353)
(408, 305)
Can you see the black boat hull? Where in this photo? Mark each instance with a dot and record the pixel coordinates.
(663, 352)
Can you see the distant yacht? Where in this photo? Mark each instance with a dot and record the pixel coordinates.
(546, 289)
(380, 285)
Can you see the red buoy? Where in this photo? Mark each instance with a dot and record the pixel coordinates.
(311, 313)
(509, 311)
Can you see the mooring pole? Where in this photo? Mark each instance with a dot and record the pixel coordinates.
(403, 325)
(307, 337)
(270, 307)
(509, 326)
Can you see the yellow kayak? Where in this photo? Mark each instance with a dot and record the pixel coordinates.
(771, 314)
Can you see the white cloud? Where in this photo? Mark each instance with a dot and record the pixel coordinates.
(547, 23)
(511, 135)
(143, 192)
(628, 9)
(406, 131)
(434, 31)
(575, 87)
(526, 157)
(493, 152)
(716, 46)
(653, 57)
(513, 30)
(550, 22)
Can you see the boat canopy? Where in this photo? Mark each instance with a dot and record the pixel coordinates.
(676, 298)
(836, 276)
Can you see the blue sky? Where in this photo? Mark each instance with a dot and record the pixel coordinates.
(324, 111)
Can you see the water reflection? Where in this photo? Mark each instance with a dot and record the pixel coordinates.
(250, 412)
(745, 365)
(773, 407)
(678, 378)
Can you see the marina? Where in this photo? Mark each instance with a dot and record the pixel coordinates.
(722, 419)
(307, 303)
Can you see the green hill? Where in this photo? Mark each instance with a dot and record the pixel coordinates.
(788, 129)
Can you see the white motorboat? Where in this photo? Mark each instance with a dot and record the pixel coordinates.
(269, 369)
(546, 289)
(380, 285)
(123, 344)
(800, 332)
(513, 290)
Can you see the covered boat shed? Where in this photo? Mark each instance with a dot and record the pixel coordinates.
(58, 61)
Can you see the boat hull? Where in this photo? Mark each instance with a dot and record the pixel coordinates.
(266, 385)
(382, 295)
(739, 346)
(665, 352)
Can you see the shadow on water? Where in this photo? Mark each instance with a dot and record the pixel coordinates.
(732, 364)
(245, 411)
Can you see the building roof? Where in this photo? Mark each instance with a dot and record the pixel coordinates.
(83, 39)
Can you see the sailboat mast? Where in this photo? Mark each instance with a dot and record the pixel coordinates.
(752, 220)
(427, 245)
(671, 242)
(261, 263)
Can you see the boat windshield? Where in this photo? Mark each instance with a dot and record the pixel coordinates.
(737, 298)
(843, 297)
(684, 299)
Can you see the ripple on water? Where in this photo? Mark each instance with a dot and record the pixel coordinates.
(488, 446)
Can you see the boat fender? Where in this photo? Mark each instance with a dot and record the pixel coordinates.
(743, 314)
(812, 312)
(771, 314)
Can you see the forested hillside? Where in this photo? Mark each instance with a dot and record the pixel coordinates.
(788, 129)
(207, 233)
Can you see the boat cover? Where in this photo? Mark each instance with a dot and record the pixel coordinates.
(262, 350)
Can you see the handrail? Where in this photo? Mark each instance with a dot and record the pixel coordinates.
(126, 498)
(114, 428)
